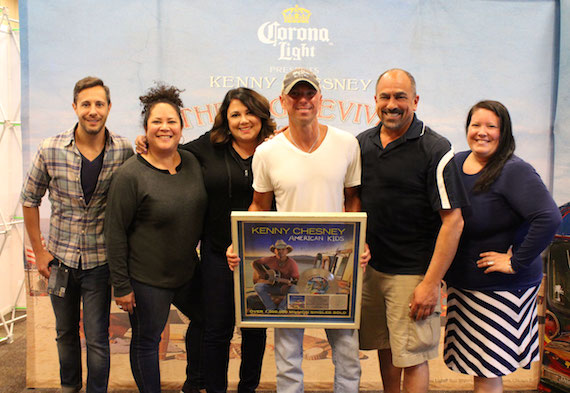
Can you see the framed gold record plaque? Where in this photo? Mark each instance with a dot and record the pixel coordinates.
(298, 269)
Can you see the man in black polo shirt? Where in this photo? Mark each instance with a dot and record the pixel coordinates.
(412, 193)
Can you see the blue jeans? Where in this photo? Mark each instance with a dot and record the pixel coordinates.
(266, 290)
(147, 323)
(93, 287)
(289, 358)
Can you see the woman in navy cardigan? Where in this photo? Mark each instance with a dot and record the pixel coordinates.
(492, 325)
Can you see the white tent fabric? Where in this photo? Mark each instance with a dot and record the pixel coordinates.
(11, 233)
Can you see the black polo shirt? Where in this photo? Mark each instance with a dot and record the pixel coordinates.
(404, 185)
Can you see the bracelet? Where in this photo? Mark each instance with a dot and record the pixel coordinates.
(511, 270)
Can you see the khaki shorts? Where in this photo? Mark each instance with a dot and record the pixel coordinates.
(386, 324)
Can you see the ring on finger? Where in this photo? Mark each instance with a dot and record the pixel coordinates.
(490, 263)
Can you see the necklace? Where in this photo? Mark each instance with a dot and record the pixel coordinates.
(312, 146)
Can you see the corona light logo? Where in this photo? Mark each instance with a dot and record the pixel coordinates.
(294, 42)
(296, 15)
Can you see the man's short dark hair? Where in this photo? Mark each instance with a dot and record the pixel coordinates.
(410, 76)
(86, 83)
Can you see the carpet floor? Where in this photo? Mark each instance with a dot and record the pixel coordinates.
(13, 367)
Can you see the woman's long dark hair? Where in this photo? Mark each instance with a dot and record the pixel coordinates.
(504, 151)
(255, 102)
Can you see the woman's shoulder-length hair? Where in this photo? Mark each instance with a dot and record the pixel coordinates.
(255, 102)
(506, 147)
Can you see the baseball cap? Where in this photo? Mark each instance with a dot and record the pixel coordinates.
(299, 75)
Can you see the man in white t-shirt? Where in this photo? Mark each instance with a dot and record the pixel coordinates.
(308, 168)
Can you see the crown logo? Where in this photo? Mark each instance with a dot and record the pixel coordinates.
(296, 15)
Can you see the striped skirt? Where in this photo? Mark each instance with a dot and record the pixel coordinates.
(491, 333)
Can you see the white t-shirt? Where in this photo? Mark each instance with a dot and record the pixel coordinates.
(308, 182)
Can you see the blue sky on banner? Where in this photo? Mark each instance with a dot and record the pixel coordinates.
(459, 52)
(562, 122)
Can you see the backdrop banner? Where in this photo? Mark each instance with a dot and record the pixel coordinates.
(459, 52)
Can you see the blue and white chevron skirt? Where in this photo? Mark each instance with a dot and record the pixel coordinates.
(491, 333)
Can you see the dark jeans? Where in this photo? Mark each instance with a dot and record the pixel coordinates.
(148, 321)
(93, 287)
(219, 320)
(194, 373)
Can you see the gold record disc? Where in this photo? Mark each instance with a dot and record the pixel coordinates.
(317, 281)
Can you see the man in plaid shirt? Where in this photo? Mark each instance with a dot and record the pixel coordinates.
(76, 167)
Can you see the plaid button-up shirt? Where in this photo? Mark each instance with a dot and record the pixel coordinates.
(76, 228)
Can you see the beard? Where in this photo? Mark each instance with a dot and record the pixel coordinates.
(92, 130)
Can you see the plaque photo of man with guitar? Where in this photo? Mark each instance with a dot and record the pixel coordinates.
(276, 276)
(298, 269)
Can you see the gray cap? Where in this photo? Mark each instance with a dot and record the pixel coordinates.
(299, 75)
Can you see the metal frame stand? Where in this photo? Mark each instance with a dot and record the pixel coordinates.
(9, 324)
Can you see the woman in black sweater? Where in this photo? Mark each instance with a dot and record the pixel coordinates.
(153, 222)
(225, 153)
